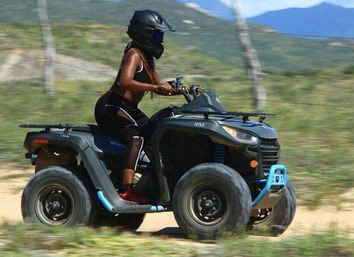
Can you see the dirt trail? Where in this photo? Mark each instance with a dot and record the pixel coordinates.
(304, 221)
(27, 64)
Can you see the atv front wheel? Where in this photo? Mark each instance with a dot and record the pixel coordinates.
(55, 196)
(211, 198)
(277, 219)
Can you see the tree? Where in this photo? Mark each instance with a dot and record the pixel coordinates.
(250, 58)
(50, 47)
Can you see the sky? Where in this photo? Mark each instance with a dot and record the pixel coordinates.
(254, 7)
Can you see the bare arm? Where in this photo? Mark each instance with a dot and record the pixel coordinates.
(129, 65)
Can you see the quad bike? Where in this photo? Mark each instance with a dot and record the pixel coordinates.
(217, 171)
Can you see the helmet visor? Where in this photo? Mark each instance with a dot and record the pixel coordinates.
(158, 36)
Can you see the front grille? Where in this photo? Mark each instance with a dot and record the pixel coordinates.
(269, 154)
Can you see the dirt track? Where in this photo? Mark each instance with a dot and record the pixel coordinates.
(304, 221)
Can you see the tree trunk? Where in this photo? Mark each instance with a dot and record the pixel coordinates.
(250, 58)
(50, 47)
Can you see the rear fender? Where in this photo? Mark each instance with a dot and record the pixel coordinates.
(105, 190)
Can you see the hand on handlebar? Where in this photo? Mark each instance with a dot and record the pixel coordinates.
(195, 90)
(164, 88)
(176, 87)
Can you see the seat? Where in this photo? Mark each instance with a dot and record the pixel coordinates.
(101, 142)
(88, 128)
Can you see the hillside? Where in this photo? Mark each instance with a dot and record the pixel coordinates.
(195, 31)
(104, 44)
(322, 19)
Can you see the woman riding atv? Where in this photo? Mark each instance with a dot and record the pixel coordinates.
(116, 111)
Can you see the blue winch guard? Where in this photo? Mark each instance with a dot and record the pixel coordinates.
(274, 179)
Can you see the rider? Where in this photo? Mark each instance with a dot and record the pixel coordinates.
(116, 111)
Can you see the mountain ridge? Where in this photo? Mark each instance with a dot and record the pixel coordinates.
(215, 7)
(323, 19)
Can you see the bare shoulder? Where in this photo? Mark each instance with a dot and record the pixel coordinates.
(132, 56)
(133, 53)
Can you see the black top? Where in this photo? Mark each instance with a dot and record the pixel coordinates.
(140, 75)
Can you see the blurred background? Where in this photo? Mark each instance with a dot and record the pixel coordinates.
(305, 49)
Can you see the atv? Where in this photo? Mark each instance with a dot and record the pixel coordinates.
(217, 171)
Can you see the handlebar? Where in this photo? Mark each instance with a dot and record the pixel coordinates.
(178, 87)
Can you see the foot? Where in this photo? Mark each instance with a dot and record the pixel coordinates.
(132, 196)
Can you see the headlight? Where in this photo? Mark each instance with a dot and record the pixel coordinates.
(242, 137)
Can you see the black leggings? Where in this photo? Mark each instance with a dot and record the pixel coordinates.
(123, 121)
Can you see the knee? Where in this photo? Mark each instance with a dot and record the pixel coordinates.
(134, 144)
(137, 141)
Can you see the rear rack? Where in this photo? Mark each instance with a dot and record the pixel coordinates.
(245, 115)
(60, 126)
(47, 127)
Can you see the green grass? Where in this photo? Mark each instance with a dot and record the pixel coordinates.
(34, 240)
(329, 243)
(315, 125)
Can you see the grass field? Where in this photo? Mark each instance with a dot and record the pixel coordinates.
(32, 240)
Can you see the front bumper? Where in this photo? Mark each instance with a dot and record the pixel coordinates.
(274, 189)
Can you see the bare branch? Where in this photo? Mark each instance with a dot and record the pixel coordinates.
(250, 58)
(50, 47)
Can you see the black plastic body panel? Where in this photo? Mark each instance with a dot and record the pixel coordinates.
(208, 101)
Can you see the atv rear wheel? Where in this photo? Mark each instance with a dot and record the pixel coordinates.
(211, 198)
(55, 196)
(277, 219)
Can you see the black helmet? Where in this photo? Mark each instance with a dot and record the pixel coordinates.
(147, 28)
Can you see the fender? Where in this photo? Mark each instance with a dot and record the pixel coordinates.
(202, 126)
(106, 191)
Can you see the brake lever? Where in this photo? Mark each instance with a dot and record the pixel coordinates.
(173, 84)
(193, 89)
(183, 91)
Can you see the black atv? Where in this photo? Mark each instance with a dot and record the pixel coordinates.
(217, 171)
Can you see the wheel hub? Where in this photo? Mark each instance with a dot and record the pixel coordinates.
(208, 203)
(208, 206)
(54, 205)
